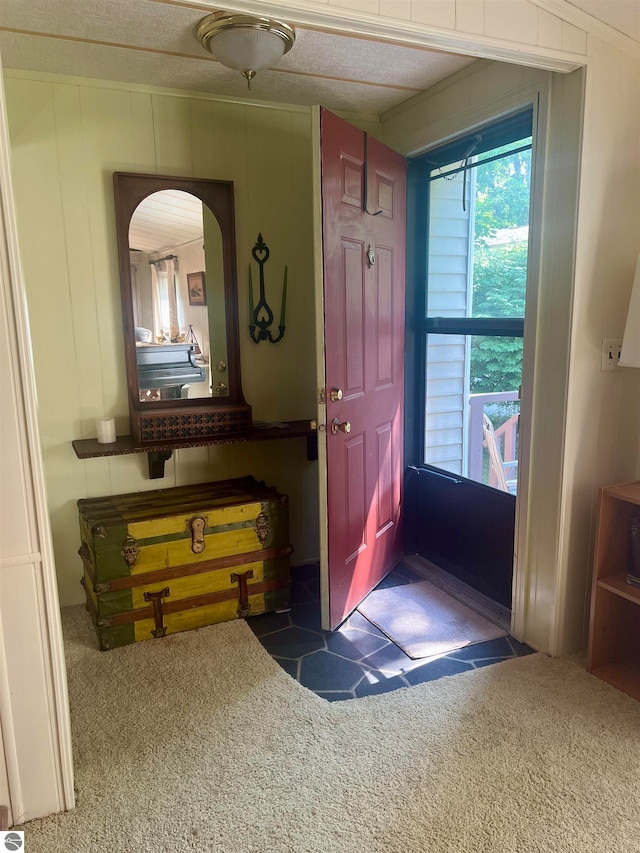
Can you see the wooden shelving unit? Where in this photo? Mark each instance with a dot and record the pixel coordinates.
(614, 635)
(158, 454)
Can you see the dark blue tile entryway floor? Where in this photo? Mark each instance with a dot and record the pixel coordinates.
(357, 659)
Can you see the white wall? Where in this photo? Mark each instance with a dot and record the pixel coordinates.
(603, 411)
(191, 259)
(68, 136)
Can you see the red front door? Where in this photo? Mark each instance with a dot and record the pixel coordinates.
(363, 232)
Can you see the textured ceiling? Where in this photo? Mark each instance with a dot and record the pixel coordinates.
(153, 42)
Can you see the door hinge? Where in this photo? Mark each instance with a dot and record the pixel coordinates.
(322, 396)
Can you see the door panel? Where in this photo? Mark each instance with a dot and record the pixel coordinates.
(353, 320)
(384, 464)
(363, 357)
(384, 343)
(351, 174)
(355, 467)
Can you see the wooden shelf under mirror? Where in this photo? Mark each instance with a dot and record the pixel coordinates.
(158, 454)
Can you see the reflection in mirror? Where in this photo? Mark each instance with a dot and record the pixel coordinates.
(177, 262)
(177, 278)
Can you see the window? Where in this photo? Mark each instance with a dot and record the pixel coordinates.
(469, 208)
(164, 303)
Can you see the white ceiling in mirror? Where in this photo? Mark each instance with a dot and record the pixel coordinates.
(164, 221)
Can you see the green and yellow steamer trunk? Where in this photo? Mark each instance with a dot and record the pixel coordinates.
(173, 559)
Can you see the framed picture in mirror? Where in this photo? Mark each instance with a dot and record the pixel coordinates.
(197, 288)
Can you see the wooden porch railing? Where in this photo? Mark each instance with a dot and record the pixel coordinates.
(505, 434)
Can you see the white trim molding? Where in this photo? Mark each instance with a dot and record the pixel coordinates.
(34, 707)
(312, 15)
(20, 560)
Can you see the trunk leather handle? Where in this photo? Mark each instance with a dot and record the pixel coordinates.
(156, 600)
(244, 608)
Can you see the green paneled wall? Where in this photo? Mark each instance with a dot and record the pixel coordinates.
(68, 136)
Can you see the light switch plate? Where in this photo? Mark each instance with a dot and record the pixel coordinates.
(610, 353)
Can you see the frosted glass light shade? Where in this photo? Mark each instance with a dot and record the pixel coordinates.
(247, 49)
(244, 42)
(630, 352)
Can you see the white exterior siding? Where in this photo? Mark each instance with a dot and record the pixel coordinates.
(450, 261)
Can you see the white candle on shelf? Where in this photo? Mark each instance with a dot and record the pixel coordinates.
(106, 431)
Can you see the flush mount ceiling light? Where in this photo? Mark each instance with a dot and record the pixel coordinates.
(245, 42)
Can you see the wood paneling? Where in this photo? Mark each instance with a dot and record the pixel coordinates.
(68, 137)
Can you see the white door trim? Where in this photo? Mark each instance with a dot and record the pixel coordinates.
(34, 707)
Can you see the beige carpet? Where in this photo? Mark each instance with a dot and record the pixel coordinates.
(200, 742)
(426, 621)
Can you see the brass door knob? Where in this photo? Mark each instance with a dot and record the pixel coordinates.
(337, 426)
(335, 394)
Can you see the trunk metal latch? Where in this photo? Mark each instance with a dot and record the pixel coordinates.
(130, 551)
(197, 525)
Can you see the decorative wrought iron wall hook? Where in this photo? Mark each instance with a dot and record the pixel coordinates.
(261, 316)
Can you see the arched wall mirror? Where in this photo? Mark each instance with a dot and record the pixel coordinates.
(176, 246)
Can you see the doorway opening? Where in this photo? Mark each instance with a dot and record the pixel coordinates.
(469, 203)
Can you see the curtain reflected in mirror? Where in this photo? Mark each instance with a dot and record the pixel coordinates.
(180, 318)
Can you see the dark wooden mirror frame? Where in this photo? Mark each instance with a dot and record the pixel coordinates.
(164, 421)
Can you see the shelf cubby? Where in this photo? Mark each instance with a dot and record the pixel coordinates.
(614, 635)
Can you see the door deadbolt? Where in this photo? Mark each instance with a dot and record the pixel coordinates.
(337, 426)
(335, 394)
